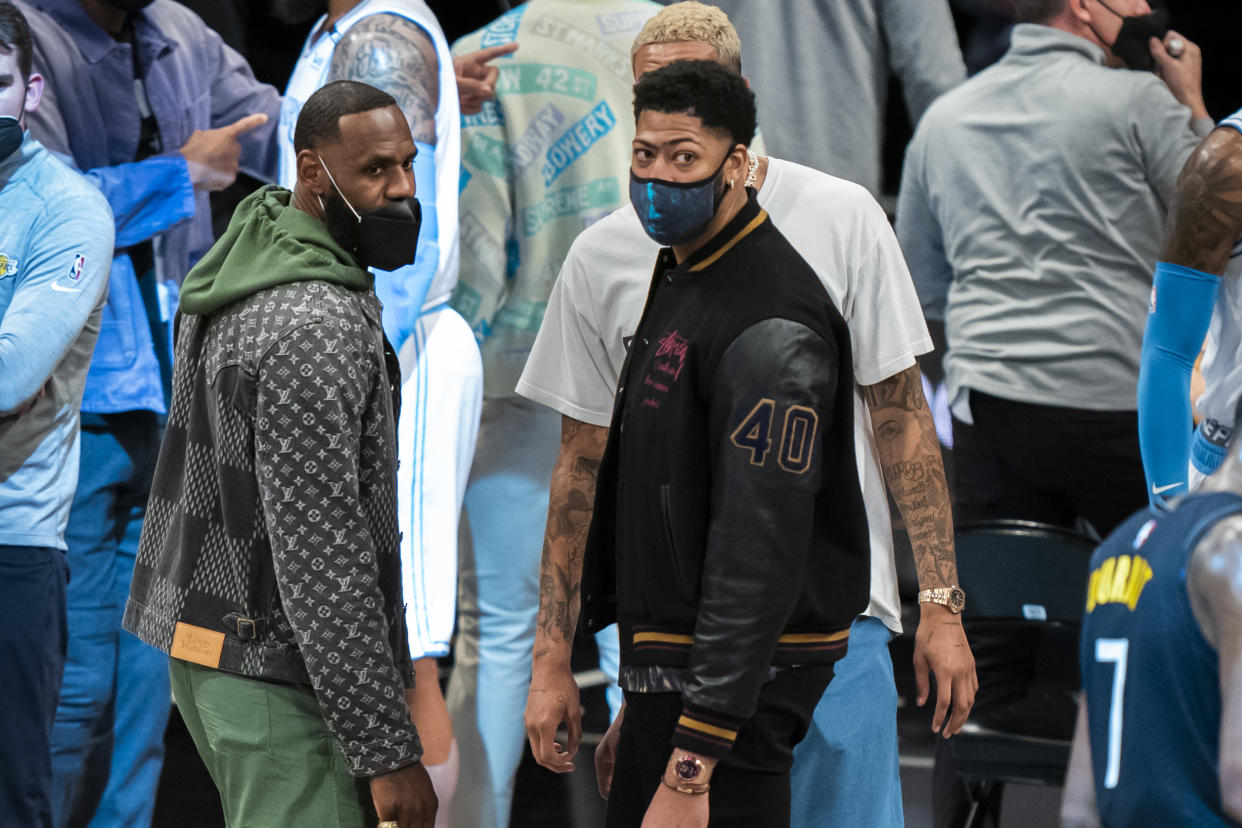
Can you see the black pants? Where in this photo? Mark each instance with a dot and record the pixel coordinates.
(1046, 463)
(750, 786)
(1063, 466)
(32, 659)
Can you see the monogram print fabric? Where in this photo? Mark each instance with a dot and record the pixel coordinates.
(273, 514)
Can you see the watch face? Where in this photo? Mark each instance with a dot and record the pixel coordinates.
(687, 769)
(957, 600)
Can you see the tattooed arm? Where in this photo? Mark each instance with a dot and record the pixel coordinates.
(1205, 219)
(397, 56)
(910, 455)
(553, 695)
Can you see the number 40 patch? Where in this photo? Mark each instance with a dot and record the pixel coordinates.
(797, 440)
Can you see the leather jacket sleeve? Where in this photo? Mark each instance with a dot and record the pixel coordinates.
(771, 401)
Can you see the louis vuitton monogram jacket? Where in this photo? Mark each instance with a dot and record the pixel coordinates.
(270, 544)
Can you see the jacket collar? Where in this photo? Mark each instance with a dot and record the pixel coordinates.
(748, 219)
(1033, 39)
(94, 43)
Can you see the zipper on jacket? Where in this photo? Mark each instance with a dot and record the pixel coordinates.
(666, 512)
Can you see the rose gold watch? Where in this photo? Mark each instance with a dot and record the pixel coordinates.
(687, 772)
(951, 597)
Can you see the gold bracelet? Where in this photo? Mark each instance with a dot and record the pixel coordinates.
(686, 788)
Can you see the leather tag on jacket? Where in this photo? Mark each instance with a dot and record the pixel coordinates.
(198, 645)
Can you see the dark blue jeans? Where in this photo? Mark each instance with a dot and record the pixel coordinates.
(108, 741)
(32, 659)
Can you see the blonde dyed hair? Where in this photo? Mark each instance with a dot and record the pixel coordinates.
(694, 22)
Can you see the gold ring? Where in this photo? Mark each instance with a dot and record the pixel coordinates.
(387, 823)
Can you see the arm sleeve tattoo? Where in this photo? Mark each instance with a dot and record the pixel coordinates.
(571, 502)
(397, 56)
(914, 470)
(1205, 218)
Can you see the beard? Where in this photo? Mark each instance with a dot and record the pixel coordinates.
(297, 12)
(342, 225)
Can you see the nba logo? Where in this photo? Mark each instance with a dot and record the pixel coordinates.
(79, 263)
(1144, 533)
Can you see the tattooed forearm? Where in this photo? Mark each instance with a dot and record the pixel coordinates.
(1205, 218)
(571, 500)
(397, 56)
(910, 456)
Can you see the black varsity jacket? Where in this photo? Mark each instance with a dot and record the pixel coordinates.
(729, 532)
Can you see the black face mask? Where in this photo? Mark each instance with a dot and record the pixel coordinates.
(1136, 33)
(384, 239)
(11, 134)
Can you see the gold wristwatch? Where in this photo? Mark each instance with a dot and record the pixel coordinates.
(951, 597)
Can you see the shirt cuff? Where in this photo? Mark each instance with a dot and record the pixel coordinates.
(706, 733)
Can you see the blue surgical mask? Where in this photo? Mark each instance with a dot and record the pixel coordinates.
(674, 212)
(11, 133)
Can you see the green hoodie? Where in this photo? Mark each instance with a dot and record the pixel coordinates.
(268, 242)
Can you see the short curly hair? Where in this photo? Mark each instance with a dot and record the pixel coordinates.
(693, 22)
(319, 122)
(702, 88)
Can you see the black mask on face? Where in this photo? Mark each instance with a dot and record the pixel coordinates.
(384, 239)
(1136, 32)
(11, 134)
(297, 12)
(342, 225)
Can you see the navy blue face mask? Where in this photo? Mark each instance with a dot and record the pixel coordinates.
(673, 212)
(10, 136)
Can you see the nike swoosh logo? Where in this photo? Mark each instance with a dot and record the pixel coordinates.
(1162, 489)
(65, 289)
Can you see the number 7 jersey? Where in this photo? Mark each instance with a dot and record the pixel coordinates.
(1151, 679)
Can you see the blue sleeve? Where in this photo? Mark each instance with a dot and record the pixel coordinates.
(236, 93)
(62, 276)
(403, 291)
(1182, 302)
(147, 197)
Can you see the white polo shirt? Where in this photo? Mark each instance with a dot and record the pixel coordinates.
(842, 233)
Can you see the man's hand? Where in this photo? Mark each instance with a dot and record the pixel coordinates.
(606, 755)
(1181, 71)
(214, 154)
(553, 699)
(476, 81)
(671, 809)
(940, 647)
(405, 796)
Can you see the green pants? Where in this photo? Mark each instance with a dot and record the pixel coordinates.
(269, 752)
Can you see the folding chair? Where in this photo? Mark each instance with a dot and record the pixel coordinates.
(1025, 583)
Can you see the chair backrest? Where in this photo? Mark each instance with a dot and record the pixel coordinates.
(1020, 570)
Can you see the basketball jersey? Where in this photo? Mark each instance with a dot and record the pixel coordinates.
(1222, 359)
(1151, 679)
(313, 70)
